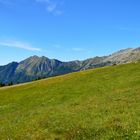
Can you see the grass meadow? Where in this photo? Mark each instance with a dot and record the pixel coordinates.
(98, 104)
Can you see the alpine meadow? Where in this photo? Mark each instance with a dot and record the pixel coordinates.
(100, 104)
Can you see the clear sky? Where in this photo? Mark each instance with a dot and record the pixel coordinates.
(67, 29)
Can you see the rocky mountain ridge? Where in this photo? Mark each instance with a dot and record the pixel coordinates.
(42, 67)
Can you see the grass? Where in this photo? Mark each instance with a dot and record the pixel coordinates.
(100, 104)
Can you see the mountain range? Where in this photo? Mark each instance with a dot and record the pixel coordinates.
(42, 67)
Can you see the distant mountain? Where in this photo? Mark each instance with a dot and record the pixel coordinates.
(7, 72)
(41, 67)
(124, 56)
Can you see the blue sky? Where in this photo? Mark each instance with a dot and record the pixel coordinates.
(67, 29)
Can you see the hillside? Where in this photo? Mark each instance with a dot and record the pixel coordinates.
(100, 104)
(39, 67)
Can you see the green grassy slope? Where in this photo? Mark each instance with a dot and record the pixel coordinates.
(101, 104)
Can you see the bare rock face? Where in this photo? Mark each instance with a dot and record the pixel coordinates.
(39, 67)
(124, 56)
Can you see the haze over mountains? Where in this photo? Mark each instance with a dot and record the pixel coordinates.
(39, 67)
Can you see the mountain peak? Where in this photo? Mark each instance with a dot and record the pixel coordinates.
(34, 56)
(37, 67)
